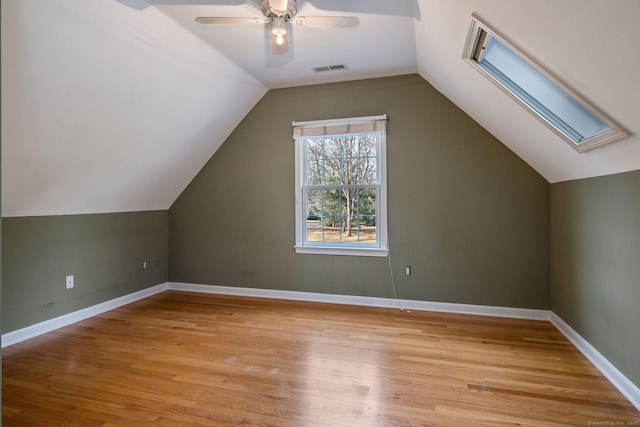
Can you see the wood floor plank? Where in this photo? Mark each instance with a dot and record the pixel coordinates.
(184, 359)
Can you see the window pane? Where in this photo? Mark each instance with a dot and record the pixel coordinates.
(368, 146)
(345, 215)
(349, 164)
(359, 159)
(331, 148)
(314, 229)
(331, 159)
(324, 216)
(367, 203)
(314, 165)
(333, 207)
(367, 216)
(315, 204)
(368, 170)
(367, 229)
(346, 160)
(332, 171)
(333, 229)
(540, 94)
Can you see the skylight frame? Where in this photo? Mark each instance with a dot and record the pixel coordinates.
(616, 133)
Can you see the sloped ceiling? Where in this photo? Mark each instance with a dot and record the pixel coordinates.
(114, 105)
(109, 108)
(591, 45)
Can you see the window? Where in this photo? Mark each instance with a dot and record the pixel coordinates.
(341, 189)
(558, 106)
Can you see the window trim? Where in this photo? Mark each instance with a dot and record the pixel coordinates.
(382, 250)
(478, 25)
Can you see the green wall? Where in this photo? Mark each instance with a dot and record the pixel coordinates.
(104, 252)
(477, 225)
(595, 264)
(467, 214)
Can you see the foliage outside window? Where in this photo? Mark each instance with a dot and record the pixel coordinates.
(341, 186)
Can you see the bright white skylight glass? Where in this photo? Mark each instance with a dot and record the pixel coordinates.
(550, 100)
(541, 95)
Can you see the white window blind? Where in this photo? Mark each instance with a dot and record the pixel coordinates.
(337, 127)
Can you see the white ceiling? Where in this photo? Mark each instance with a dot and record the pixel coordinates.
(382, 45)
(106, 108)
(114, 105)
(590, 44)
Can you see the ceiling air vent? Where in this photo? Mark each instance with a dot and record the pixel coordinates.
(329, 68)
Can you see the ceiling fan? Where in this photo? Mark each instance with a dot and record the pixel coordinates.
(281, 15)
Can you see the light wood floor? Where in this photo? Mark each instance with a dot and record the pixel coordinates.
(184, 359)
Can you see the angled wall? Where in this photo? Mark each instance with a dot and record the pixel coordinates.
(104, 252)
(467, 214)
(595, 273)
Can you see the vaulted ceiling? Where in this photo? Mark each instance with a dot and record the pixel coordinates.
(115, 105)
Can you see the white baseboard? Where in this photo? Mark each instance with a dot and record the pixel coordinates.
(617, 378)
(441, 307)
(32, 331)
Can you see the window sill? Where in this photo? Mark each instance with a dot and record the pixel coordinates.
(333, 250)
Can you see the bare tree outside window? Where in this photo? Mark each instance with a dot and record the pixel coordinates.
(341, 181)
(341, 186)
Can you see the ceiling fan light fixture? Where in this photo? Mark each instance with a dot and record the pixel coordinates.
(279, 27)
(281, 15)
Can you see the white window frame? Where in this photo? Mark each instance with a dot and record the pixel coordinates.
(345, 126)
(616, 132)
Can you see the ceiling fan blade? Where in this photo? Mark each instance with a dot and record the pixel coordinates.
(327, 21)
(408, 8)
(229, 20)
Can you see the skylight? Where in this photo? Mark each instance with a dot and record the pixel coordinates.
(558, 106)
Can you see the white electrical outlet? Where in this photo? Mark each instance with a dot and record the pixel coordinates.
(69, 282)
(144, 265)
(407, 271)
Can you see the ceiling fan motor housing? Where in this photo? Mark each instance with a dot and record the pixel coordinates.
(292, 10)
